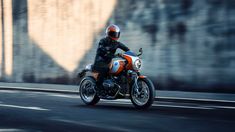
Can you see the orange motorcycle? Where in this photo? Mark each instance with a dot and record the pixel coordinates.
(124, 81)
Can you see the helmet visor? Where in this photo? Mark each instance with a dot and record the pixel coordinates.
(114, 34)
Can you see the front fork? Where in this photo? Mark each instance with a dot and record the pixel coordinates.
(137, 89)
(134, 80)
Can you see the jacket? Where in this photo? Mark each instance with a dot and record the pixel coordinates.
(106, 50)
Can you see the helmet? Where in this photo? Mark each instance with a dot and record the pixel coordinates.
(113, 31)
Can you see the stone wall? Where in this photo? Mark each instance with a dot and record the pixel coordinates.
(188, 44)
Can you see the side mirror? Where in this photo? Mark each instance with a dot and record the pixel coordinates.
(141, 52)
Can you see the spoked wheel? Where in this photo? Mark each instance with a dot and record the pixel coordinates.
(142, 96)
(88, 92)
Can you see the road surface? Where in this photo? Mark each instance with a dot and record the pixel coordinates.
(24, 111)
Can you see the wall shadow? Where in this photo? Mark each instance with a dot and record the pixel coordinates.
(146, 18)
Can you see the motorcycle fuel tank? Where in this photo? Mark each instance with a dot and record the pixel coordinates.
(117, 67)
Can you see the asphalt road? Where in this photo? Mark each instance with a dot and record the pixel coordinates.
(34, 111)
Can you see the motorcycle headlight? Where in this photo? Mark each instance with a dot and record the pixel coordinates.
(137, 64)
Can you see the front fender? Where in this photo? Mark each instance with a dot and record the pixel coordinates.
(146, 79)
(142, 77)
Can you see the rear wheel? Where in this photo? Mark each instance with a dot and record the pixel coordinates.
(143, 96)
(87, 91)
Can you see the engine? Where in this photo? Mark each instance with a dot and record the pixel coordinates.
(111, 87)
(116, 85)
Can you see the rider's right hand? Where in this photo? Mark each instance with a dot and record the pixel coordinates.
(118, 55)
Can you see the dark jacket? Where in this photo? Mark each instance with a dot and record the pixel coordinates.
(106, 50)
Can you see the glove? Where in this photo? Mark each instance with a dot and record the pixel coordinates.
(119, 54)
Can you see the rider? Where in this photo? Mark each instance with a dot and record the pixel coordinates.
(105, 52)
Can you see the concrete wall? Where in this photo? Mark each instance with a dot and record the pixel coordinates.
(188, 44)
(50, 37)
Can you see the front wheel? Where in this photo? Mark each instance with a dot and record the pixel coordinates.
(142, 95)
(87, 91)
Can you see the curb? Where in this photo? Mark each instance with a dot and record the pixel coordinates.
(38, 90)
(159, 98)
(198, 101)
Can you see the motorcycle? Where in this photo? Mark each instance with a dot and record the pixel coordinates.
(124, 81)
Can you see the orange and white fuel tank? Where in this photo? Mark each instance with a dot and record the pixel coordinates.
(117, 66)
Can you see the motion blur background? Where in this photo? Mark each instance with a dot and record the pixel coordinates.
(188, 44)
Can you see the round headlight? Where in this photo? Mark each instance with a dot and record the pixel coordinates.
(137, 64)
